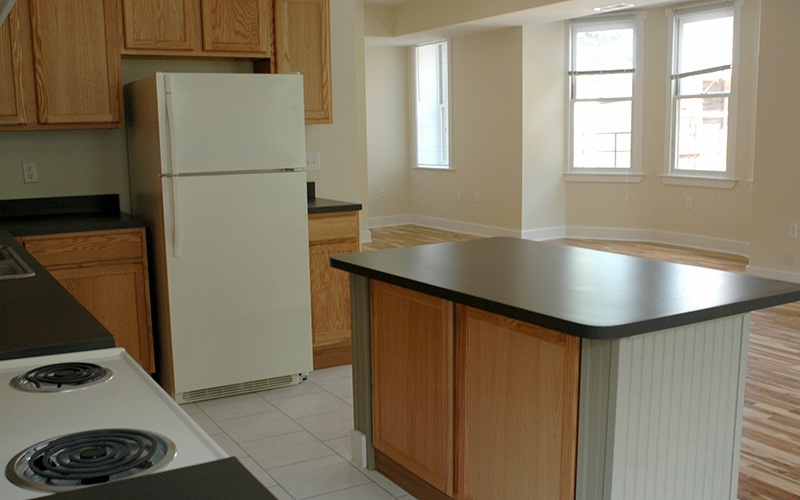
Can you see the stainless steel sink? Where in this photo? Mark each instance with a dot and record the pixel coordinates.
(12, 266)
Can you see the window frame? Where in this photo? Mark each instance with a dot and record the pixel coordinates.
(673, 175)
(414, 99)
(634, 20)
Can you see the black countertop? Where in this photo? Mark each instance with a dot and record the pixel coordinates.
(322, 206)
(223, 479)
(581, 292)
(37, 315)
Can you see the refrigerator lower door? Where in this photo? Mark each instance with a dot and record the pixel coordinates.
(239, 291)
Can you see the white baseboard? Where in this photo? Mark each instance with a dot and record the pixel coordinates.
(665, 237)
(365, 236)
(594, 233)
(763, 272)
(358, 448)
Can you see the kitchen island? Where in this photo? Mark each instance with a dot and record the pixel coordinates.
(505, 368)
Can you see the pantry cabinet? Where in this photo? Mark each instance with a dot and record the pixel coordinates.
(303, 45)
(106, 271)
(331, 234)
(207, 28)
(63, 61)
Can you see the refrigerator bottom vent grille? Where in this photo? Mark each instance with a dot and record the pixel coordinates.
(241, 388)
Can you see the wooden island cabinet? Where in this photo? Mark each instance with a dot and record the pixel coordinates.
(106, 271)
(513, 369)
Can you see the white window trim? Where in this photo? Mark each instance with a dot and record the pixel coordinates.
(633, 174)
(727, 179)
(413, 100)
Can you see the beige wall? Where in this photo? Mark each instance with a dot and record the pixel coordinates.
(719, 217)
(95, 161)
(776, 180)
(486, 144)
(387, 132)
(544, 128)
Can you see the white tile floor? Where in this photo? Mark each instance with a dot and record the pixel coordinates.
(296, 440)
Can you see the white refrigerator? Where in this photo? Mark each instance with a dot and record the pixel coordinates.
(215, 165)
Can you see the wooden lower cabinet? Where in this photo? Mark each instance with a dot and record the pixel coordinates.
(106, 271)
(517, 409)
(470, 405)
(411, 337)
(331, 234)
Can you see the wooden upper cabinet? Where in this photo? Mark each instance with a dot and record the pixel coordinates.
(159, 24)
(303, 45)
(198, 28)
(76, 61)
(12, 102)
(235, 26)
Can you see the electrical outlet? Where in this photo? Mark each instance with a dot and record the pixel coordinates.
(476, 196)
(312, 161)
(29, 172)
(383, 191)
(688, 202)
(792, 230)
(458, 195)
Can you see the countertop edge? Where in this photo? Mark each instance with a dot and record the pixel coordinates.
(324, 205)
(583, 331)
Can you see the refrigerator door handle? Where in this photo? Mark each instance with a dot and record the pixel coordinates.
(173, 160)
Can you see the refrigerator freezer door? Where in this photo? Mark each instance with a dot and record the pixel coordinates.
(229, 123)
(239, 294)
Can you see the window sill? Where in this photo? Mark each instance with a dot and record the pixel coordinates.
(432, 169)
(697, 181)
(620, 177)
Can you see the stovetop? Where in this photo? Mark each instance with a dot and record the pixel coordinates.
(129, 399)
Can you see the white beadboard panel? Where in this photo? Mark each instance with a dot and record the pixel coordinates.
(661, 413)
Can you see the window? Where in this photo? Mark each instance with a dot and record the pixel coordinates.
(432, 110)
(602, 82)
(702, 72)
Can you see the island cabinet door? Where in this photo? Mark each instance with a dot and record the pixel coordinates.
(411, 337)
(516, 409)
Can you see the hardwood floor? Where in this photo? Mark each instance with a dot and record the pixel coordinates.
(770, 457)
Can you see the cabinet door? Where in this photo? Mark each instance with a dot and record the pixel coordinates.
(303, 45)
(159, 24)
(76, 51)
(411, 337)
(115, 295)
(517, 408)
(330, 294)
(12, 103)
(236, 26)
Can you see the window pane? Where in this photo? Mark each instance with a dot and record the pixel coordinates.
(602, 134)
(702, 141)
(431, 106)
(719, 81)
(705, 43)
(603, 49)
(609, 86)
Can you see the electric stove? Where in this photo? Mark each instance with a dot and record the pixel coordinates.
(71, 421)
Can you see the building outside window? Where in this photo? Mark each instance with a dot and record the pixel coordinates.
(602, 79)
(432, 112)
(702, 72)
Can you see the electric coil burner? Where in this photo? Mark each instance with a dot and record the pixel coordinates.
(61, 377)
(136, 430)
(87, 458)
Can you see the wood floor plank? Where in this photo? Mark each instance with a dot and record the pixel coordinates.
(770, 456)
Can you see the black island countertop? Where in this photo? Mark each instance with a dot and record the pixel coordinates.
(577, 291)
